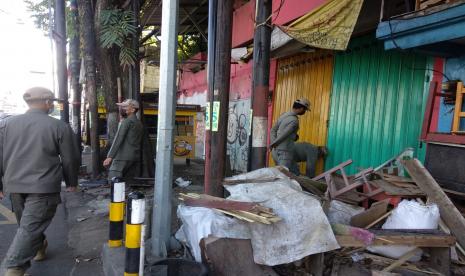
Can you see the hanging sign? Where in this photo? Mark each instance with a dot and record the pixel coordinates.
(215, 115)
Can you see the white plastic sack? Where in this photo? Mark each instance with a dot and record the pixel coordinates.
(408, 215)
(199, 222)
(303, 230)
(340, 212)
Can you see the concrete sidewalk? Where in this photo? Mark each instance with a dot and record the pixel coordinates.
(74, 247)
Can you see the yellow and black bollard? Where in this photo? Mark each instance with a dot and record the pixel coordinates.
(135, 214)
(116, 212)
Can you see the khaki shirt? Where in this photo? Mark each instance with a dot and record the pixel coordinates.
(128, 139)
(284, 132)
(37, 152)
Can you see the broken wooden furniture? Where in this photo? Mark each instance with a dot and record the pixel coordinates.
(339, 188)
(438, 244)
(458, 113)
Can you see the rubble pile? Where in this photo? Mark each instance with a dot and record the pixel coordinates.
(391, 220)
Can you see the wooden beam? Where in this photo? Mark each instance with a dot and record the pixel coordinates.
(445, 138)
(449, 213)
(429, 109)
(418, 240)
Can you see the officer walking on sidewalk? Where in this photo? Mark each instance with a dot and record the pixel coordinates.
(125, 152)
(37, 152)
(284, 133)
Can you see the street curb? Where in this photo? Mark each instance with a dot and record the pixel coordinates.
(112, 260)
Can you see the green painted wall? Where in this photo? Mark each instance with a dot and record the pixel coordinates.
(377, 104)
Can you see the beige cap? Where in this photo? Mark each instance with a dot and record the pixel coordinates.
(304, 102)
(129, 102)
(38, 93)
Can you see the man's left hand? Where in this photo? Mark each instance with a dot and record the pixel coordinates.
(1, 195)
(71, 189)
(107, 162)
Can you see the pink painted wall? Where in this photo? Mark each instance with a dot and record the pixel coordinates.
(244, 16)
(293, 9)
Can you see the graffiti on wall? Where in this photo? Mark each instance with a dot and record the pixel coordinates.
(238, 134)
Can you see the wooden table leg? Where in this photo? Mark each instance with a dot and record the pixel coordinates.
(440, 259)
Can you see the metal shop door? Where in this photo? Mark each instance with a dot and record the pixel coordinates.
(306, 76)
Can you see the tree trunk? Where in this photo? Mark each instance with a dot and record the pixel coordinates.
(88, 36)
(110, 70)
(75, 62)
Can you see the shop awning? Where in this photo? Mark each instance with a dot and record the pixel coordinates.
(438, 31)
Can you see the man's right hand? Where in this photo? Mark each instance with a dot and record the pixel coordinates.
(107, 162)
(1, 195)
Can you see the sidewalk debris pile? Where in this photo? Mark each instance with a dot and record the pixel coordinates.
(391, 220)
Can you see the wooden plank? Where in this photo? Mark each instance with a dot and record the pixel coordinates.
(368, 216)
(412, 240)
(244, 181)
(449, 213)
(394, 190)
(430, 103)
(458, 108)
(402, 259)
(440, 260)
(378, 220)
(382, 261)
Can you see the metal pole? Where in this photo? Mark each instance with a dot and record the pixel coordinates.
(62, 74)
(220, 104)
(161, 229)
(50, 36)
(260, 84)
(212, 5)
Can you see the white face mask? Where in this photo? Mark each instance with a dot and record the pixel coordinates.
(51, 109)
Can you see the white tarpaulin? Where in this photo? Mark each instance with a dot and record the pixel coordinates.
(304, 229)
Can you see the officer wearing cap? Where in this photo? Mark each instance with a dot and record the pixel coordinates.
(308, 153)
(37, 152)
(125, 152)
(284, 133)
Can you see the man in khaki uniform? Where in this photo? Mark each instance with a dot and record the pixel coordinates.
(284, 133)
(308, 153)
(125, 152)
(37, 152)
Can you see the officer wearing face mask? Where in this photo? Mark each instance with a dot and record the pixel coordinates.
(37, 152)
(125, 152)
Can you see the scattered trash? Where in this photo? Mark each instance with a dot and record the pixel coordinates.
(182, 183)
(82, 219)
(409, 214)
(340, 212)
(274, 220)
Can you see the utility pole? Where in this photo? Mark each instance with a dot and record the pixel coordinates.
(161, 228)
(260, 83)
(218, 101)
(75, 61)
(212, 7)
(62, 70)
(88, 36)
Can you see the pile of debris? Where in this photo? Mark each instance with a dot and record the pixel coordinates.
(391, 220)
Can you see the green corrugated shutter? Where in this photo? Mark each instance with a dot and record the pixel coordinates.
(377, 104)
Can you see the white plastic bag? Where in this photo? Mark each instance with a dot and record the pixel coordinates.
(340, 212)
(408, 215)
